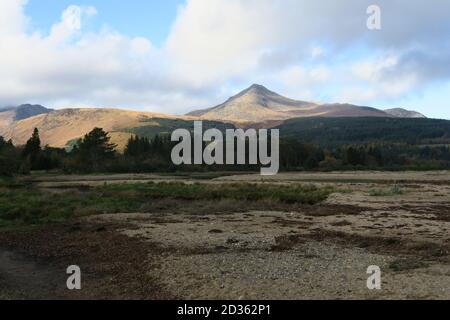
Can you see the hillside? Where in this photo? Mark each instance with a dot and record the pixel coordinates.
(339, 131)
(160, 126)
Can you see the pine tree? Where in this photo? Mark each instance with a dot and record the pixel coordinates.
(95, 148)
(32, 151)
(33, 146)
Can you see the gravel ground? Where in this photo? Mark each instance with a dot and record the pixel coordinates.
(282, 255)
(311, 271)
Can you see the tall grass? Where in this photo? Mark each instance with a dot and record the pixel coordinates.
(25, 206)
(393, 191)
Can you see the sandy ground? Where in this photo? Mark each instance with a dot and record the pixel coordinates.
(315, 252)
(351, 176)
(278, 255)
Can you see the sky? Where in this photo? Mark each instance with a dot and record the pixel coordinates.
(174, 56)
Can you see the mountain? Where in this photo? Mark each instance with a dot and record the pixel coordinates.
(403, 113)
(59, 127)
(255, 104)
(258, 104)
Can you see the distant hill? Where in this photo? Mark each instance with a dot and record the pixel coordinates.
(26, 111)
(258, 104)
(402, 113)
(9, 115)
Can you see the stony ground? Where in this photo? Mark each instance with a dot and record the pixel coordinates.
(397, 221)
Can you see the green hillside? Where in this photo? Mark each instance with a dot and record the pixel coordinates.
(329, 132)
(167, 126)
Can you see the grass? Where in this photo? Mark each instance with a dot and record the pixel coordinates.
(22, 205)
(305, 194)
(407, 264)
(393, 191)
(5, 181)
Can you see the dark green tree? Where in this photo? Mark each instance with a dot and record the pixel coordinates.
(33, 146)
(9, 158)
(32, 151)
(95, 148)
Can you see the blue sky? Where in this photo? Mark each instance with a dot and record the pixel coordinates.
(174, 56)
(147, 18)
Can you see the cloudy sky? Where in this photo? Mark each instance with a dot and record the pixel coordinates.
(173, 56)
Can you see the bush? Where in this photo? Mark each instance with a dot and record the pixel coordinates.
(393, 191)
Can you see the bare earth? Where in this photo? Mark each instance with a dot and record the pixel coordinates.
(316, 252)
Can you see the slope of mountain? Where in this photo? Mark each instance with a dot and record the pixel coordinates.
(61, 126)
(403, 113)
(156, 126)
(258, 104)
(254, 104)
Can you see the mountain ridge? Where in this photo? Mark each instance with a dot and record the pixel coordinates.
(259, 104)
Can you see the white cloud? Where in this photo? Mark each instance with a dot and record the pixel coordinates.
(298, 76)
(70, 24)
(372, 70)
(356, 95)
(12, 18)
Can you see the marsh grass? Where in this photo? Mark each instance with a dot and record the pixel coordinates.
(305, 194)
(393, 191)
(24, 205)
(407, 264)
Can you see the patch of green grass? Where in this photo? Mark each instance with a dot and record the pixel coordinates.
(5, 181)
(23, 205)
(345, 190)
(306, 194)
(393, 191)
(407, 264)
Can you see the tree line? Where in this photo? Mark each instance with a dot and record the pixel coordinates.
(95, 153)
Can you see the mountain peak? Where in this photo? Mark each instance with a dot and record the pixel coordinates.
(26, 111)
(256, 86)
(254, 92)
(258, 90)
